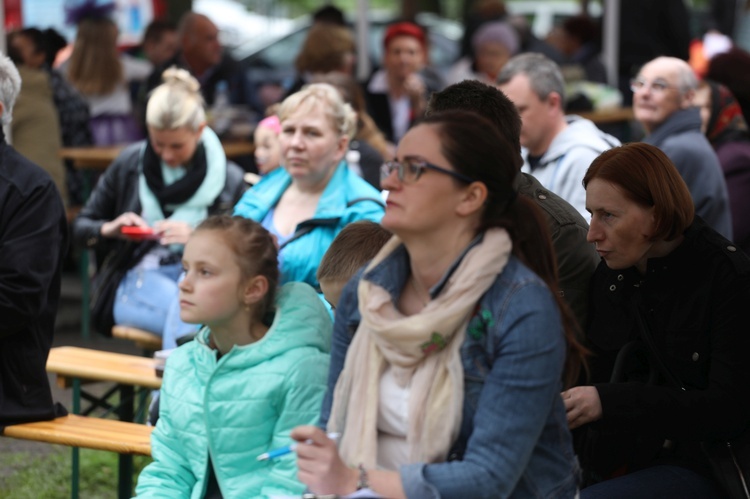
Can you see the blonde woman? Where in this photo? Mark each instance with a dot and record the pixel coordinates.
(165, 185)
(308, 201)
(98, 71)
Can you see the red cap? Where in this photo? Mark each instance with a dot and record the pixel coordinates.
(404, 29)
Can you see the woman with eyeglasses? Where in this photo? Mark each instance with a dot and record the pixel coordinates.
(450, 346)
(315, 194)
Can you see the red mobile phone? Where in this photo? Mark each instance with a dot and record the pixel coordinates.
(139, 233)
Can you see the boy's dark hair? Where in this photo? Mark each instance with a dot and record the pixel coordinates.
(354, 246)
(54, 42)
(485, 100)
(156, 29)
(329, 14)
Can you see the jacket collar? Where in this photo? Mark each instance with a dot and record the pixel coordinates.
(268, 191)
(684, 120)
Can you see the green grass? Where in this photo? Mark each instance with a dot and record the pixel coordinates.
(32, 476)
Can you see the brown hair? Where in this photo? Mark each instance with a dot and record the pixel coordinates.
(95, 67)
(351, 92)
(354, 246)
(646, 176)
(475, 148)
(324, 49)
(254, 249)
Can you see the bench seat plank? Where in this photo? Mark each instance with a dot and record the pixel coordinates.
(142, 339)
(98, 365)
(89, 433)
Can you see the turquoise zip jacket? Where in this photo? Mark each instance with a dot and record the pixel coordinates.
(228, 411)
(347, 198)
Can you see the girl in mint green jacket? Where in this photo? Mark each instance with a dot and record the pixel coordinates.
(256, 370)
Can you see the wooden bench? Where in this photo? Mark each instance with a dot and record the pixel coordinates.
(143, 339)
(70, 363)
(74, 365)
(88, 433)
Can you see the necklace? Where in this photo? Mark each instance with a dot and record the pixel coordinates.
(420, 291)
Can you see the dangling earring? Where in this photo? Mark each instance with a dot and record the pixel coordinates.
(247, 307)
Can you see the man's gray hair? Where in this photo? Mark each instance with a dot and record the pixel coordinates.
(543, 73)
(686, 79)
(10, 86)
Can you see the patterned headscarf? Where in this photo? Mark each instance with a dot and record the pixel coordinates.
(726, 123)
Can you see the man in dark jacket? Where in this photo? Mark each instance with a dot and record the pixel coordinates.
(663, 95)
(33, 241)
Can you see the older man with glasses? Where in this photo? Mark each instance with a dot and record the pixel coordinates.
(663, 95)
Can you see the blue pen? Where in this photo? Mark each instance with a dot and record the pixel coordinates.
(282, 451)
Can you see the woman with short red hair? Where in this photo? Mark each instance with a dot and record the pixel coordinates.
(667, 327)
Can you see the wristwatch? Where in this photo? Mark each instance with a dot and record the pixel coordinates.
(363, 482)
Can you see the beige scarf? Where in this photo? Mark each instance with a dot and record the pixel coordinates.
(424, 352)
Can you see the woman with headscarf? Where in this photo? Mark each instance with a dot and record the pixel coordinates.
(494, 44)
(727, 131)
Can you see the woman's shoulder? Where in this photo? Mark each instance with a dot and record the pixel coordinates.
(362, 200)
(356, 187)
(517, 274)
(518, 286)
(129, 156)
(257, 200)
(717, 253)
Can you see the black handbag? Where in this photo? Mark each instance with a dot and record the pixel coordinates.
(730, 459)
(107, 279)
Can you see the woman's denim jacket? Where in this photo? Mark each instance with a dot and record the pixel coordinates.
(514, 439)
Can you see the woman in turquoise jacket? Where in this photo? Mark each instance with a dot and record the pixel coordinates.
(306, 203)
(256, 370)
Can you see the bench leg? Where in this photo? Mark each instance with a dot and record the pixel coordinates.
(125, 465)
(85, 292)
(75, 453)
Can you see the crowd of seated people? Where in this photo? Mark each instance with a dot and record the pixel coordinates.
(438, 287)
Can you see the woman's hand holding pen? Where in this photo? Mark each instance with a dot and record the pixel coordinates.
(319, 463)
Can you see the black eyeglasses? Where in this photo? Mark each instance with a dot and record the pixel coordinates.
(410, 169)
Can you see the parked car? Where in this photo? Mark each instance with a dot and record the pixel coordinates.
(272, 61)
(543, 15)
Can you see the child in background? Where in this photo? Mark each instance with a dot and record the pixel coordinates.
(256, 370)
(267, 148)
(353, 247)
